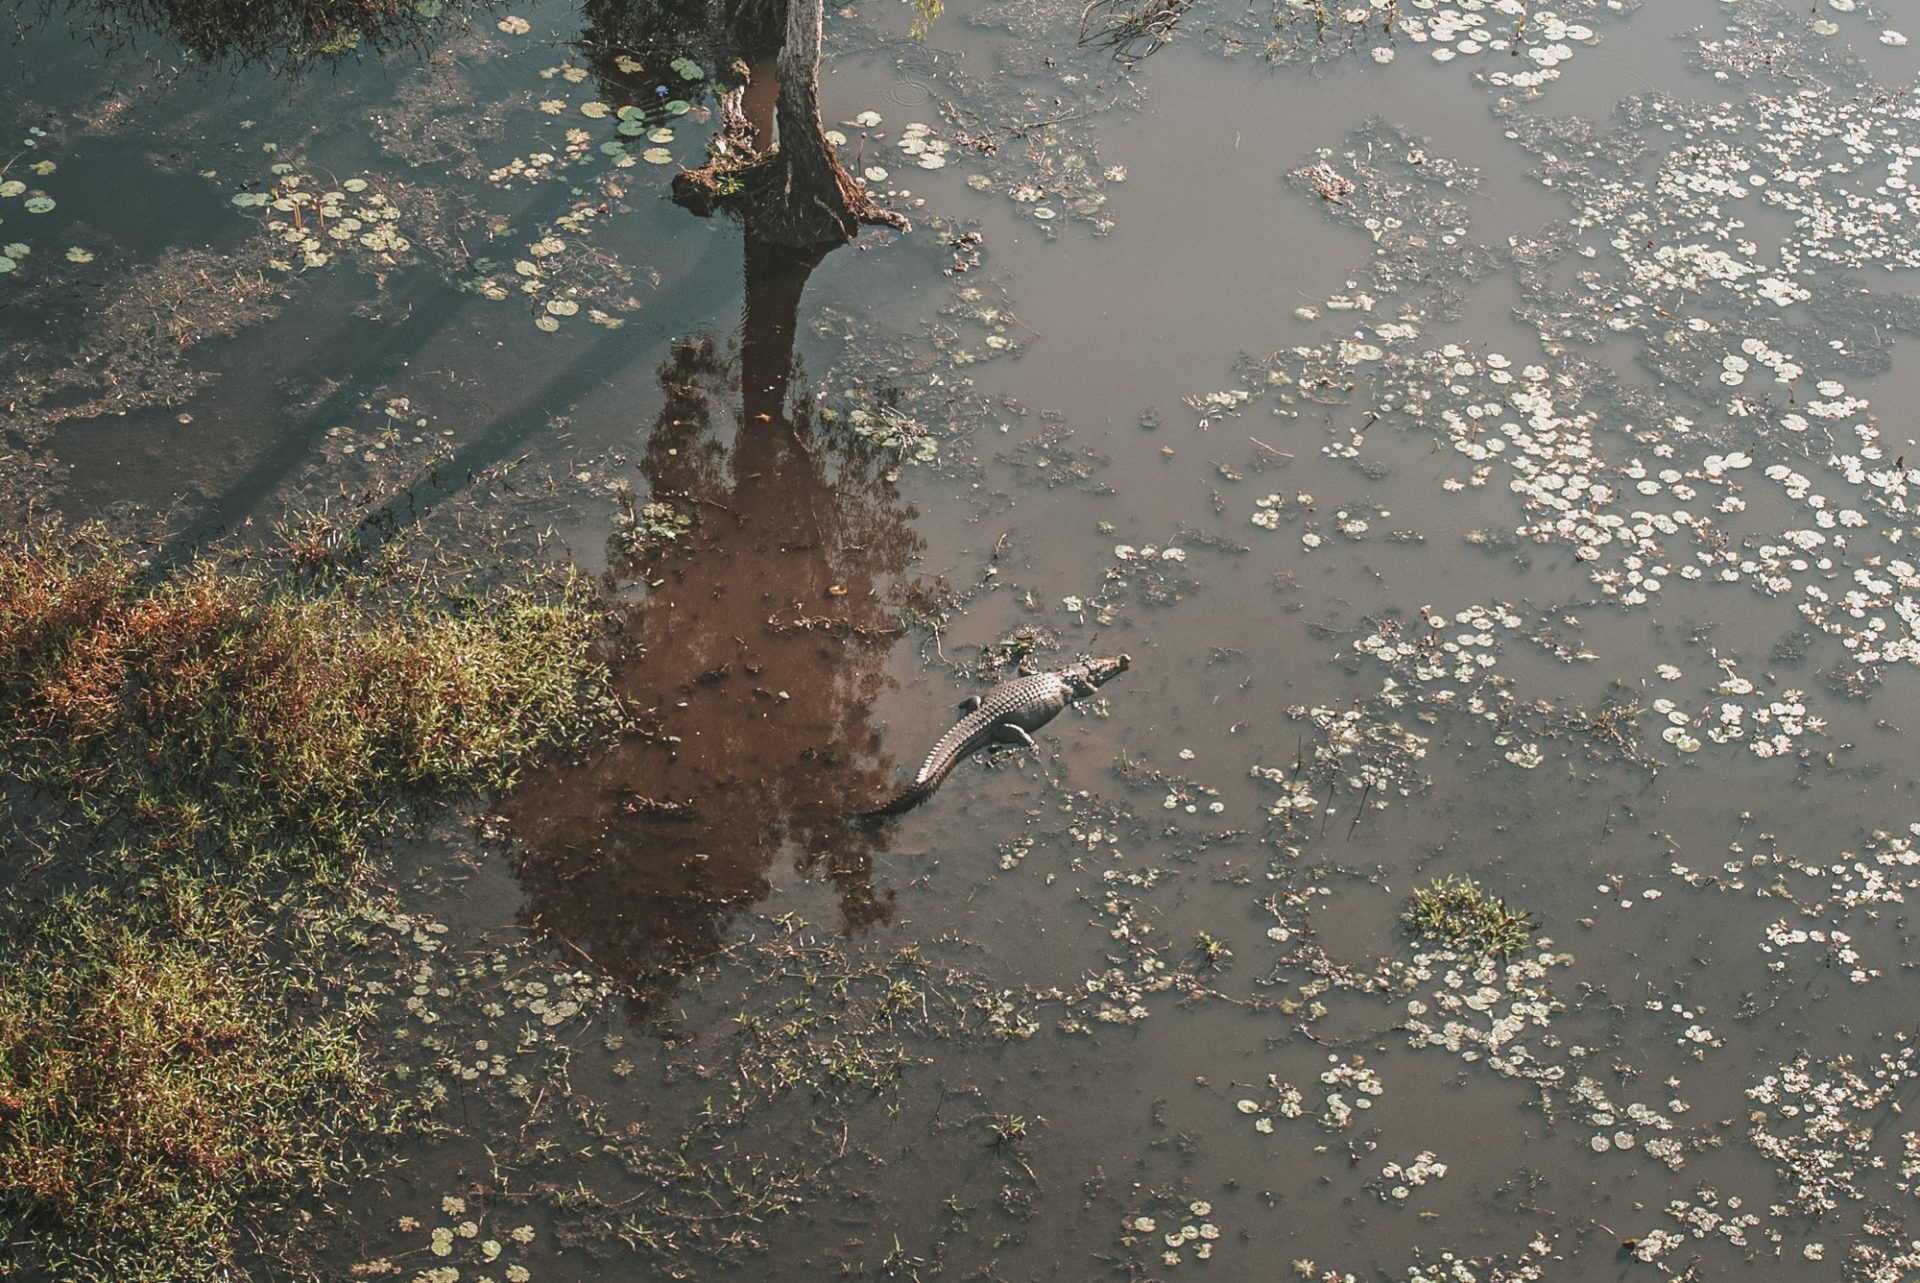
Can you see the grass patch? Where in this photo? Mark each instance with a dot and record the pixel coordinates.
(211, 755)
(158, 1070)
(1455, 912)
(241, 715)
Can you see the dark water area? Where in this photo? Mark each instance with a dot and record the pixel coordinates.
(1486, 430)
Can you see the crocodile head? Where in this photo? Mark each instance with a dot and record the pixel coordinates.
(1090, 674)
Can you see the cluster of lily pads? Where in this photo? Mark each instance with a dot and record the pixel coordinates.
(317, 221)
(1316, 30)
(1182, 1233)
(32, 200)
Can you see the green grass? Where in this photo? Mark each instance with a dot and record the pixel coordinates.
(159, 1069)
(1455, 912)
(241, 716)
(217, 753)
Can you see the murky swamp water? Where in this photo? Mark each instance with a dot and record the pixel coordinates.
(1487, 433)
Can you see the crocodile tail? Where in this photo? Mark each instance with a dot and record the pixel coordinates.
(904, 801)
(940, 764)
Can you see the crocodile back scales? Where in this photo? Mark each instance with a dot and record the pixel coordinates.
(1029, 702)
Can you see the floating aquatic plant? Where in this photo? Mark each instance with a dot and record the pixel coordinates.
(1455, 911)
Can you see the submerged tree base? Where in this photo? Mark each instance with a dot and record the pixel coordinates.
(796, 193)
(799, 197)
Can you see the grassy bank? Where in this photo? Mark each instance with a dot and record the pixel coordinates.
(208, 757)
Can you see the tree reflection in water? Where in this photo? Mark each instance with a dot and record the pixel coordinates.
(752, 662)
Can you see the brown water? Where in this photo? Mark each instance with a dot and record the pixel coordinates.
(984, 1040)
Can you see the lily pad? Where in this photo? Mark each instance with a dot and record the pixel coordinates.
(6, 265)
(76, 254)
(678, 107)
(39, 204)
(563, 307)
(545, 322)
(514, 25)
(631, 127)
(12, 187)
(657, 156)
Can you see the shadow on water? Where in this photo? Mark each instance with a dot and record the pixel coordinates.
(751, 662)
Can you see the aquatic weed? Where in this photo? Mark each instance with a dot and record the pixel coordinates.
(1455, 911)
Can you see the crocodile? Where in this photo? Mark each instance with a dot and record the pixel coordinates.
(1007, 714)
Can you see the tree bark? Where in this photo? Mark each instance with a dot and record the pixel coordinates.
(796, 194)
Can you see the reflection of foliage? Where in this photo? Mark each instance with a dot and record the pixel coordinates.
(1456, 912)
(631, 47)
(284, 34)
(925, 14)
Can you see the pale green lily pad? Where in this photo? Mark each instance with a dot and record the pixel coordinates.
(1042, 213)
(678, 107)
(16, 250)
(547, 323)
(12, 187)
(77, 254)
(39, 204)
(246, 200)
(563, 307)
(657, 156)
(354, 185)
(595, 110)
(631, 127)
(613, 147)
(660, 135)
(6, 265)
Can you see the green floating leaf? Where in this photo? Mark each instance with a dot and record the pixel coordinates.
(632, 126)
(247, 200)
(677, 106)
(39, 204)
(16, 250)
(6, 265)
(12, 187)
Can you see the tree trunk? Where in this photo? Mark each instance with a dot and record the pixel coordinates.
(796, 195)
